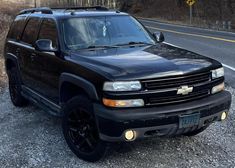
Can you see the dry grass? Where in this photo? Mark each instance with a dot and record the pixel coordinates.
(3, 77)
(8, 10)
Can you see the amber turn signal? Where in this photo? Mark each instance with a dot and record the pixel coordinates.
(123, 103)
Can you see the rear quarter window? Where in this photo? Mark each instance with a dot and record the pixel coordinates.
(31, 31)
(17, 28)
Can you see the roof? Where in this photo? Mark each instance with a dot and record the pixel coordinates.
(71, 12)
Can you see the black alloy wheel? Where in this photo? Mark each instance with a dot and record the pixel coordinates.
(80, 130)
(15, 89)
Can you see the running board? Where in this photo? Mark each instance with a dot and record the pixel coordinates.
(41, 101)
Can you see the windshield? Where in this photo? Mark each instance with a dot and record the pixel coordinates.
(81, 33)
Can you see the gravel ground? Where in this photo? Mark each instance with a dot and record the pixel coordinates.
(31, 138)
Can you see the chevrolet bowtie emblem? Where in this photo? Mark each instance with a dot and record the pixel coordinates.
(184, 90)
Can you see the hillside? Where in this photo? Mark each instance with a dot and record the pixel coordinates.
(216, 14)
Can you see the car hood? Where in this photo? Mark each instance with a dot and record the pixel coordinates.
(131, 63)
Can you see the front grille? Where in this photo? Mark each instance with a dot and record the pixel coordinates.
(177, 98)
(166, 89)
(176, 81)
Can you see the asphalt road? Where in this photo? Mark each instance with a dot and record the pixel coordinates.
(214, 44)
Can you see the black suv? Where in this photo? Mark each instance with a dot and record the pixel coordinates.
(109, 78)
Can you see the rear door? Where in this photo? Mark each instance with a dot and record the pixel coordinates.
(29, 67)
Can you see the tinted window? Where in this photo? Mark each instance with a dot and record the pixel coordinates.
(49, 31)
(17, 28)
(31, 30)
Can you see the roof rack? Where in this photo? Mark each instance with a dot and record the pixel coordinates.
(98, 8)
(43, 10)
(46, 10)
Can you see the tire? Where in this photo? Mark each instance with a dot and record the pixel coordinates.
(80, 130)
(15, 89)
(196, 132)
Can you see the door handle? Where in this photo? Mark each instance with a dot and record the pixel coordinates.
(33, 55)
(17, 52)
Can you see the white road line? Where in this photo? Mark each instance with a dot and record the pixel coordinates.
(229, 67)
(225, 65)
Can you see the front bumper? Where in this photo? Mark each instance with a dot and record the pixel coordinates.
(158, 121)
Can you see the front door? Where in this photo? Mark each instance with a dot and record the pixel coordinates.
(51, 64)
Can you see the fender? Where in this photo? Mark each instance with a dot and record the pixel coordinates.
(87, 86)
(13, 58)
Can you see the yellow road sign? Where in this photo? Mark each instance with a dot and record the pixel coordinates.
(190, 2)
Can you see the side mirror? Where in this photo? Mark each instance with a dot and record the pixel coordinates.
(159, 37)
(44, 45)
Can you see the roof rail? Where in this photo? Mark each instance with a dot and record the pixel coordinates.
(43, 10)
(98, 8)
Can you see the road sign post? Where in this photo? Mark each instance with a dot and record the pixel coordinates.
(190, 4)
(191, 14)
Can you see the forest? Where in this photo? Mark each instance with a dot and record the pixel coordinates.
(215, 14)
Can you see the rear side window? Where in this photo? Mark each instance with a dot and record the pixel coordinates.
(31, 31)
(17, 28)
(49, 31)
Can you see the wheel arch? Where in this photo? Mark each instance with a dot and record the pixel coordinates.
(72, 85)
(11, 61)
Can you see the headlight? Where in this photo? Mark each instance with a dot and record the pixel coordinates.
(217, 73)
(122, 86)
(123, 103)
(218, 88)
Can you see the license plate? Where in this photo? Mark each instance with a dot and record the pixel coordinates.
(186, 121)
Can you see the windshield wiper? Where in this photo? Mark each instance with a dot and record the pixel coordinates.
(135, 43)
(99, 47)
(114, 46)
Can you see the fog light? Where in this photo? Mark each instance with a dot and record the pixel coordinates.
(130, 135)
(223, 116)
